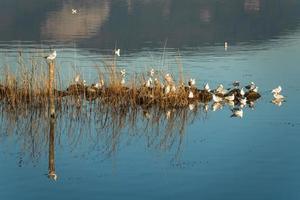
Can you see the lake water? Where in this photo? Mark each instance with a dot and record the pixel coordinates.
(207, 155)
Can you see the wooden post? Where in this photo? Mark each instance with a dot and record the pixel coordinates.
(51, 89)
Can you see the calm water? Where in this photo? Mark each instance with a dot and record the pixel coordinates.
(215, 157)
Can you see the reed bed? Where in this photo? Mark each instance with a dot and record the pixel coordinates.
(98, 113)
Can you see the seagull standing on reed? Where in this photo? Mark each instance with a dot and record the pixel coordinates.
(149, 83)
(206, 87)
(191, 95)
(51, 56)
(123, 73)
(152, 72)
(167, 89)
(169, 79)
(220, 90)
(191, 82)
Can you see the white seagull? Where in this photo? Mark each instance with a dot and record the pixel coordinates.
(74, 11)
(192, 82)
(77, 78)
(242, 92)
(149, 82)
(123, 73)
(191, 95)
(51, 56)
(152, 72)
(117, 52)
(220, 89)
(277, 90)
(169, 78)
(206, 87)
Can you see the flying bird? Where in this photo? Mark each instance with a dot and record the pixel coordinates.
(117, 52)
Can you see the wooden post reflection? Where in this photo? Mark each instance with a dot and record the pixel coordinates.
(51, 167)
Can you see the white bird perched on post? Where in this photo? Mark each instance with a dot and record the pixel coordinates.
(277, 90)
(117, 52)
(51, 56)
